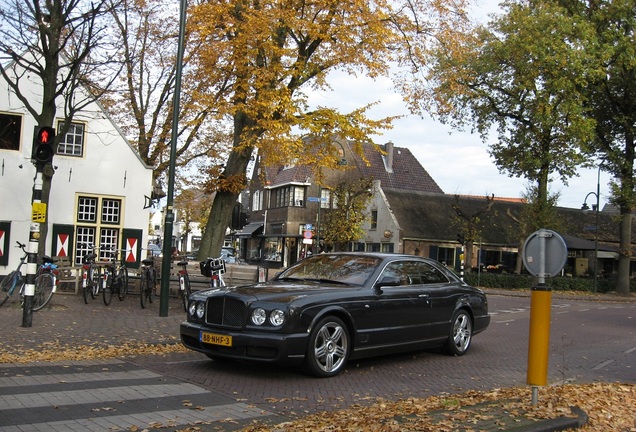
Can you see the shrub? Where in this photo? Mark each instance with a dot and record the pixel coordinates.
(558, 283)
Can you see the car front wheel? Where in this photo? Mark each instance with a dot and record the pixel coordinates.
(328, 349)
(461, 333)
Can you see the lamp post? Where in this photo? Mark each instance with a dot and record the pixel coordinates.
(596, 207)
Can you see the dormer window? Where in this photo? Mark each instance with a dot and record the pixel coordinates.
(289, 196)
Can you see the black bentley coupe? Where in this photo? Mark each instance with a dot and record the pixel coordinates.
(330, 308)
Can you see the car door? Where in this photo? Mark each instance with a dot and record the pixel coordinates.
(395, 317)
(442, 295)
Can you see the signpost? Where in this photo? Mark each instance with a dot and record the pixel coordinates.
(544, 255)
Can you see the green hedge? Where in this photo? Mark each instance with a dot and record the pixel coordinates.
(559, 283)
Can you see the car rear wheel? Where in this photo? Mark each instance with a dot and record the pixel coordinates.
(461, 333)
(328, 348)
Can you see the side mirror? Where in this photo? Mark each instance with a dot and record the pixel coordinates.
(386, 281)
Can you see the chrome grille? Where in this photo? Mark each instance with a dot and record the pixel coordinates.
(226, 312)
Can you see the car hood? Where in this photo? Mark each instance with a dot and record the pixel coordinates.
(280, 291)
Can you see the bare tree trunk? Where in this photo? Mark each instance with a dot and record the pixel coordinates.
(231, 182)
(625, 253)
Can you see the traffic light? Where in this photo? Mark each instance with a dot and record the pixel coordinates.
(43, 150)
(460, 238)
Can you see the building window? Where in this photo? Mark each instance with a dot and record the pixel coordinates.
(99, 223)
(257, 201)
(387, 247)
(289, 196)
(87, 209)
(374, 220)
(71, 144)
(325, 198)
(10, 130)
(446, 256)
(111, 211)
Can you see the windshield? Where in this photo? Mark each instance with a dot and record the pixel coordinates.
(350, 269)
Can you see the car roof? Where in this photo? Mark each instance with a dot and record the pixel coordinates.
(380, 255)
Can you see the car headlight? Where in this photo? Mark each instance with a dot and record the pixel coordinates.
(200, 310)
(258, 316)
(277, 318)
(192, 308)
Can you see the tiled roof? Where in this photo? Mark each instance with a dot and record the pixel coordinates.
(406, 174)
(429, 216)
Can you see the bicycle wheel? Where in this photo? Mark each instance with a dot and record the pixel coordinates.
(43, 291)
(86, 285)
(7, 286)
(152, 285)
(107, 286)
(143, 289)
(122, 278)
(95, 280)
(185, 291)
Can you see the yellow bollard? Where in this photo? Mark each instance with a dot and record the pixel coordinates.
(539, 341)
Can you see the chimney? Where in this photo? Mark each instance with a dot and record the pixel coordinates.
(388, 147)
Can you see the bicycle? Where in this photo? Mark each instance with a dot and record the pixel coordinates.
(45, 281)
(214, 268)
(148, 283)
(115, 278)
(184, 283)
(91, 275)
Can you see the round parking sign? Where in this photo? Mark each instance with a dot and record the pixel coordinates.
(547, 246)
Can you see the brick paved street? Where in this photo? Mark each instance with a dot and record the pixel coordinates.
(186, 388)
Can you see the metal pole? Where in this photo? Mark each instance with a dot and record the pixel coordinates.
(598, 209)
(34, 239)
(169, 221)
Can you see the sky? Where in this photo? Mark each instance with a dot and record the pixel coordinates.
(458, 161)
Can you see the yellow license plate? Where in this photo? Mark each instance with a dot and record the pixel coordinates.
(216, 339)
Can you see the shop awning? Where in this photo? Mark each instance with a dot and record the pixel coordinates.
(250, 229)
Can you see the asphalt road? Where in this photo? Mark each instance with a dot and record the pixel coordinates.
(589, 341)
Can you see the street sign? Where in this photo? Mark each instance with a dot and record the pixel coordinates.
(544, 253)
(313, 199)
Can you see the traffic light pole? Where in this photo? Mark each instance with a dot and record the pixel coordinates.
(32, 248)
(42, 155)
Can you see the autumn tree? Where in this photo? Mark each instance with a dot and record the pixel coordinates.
(55, 44)
(256, 60)
(521, 75)
(344, 223)
(527, 219)
(141, 99)
(193, 207)
(611, 96)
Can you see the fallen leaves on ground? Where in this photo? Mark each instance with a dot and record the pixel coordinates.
(609, 407)
(55, 351)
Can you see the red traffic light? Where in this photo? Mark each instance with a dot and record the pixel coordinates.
(45, 135)
(43, 150)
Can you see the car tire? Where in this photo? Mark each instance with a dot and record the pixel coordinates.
(461, 333)
(328, 349)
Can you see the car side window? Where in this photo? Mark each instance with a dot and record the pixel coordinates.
(430, 275)
(397, 269)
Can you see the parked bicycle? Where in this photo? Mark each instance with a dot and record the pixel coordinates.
(214, 268)
(91, 275)
(115, 277)
(184, 283)
(45, 281)
(148, 283)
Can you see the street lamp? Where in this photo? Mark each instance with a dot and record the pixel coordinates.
(597, 208)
